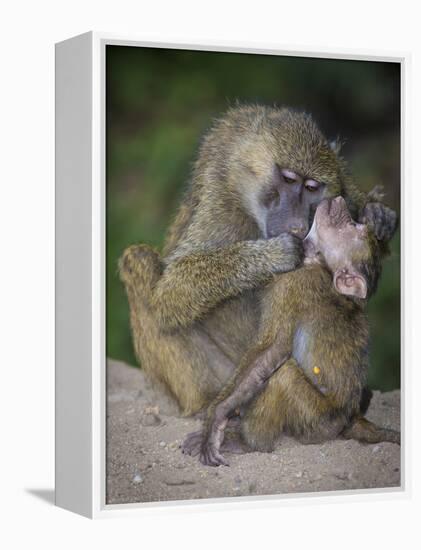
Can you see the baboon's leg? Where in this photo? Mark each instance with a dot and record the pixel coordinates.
(289, 403)
(177, 360)
(264, 420)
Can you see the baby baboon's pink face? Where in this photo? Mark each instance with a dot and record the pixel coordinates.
(343, 243)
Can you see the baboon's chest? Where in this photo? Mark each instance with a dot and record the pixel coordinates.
(303, 353)
(327, 351)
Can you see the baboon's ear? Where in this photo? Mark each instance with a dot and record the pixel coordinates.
(336, 145)
(350, 283)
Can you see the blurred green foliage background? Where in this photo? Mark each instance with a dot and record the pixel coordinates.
(159, 102)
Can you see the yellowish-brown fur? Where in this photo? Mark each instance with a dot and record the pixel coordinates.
(195, 311)
(291, 403)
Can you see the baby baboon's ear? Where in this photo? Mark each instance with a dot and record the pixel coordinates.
(350, 283)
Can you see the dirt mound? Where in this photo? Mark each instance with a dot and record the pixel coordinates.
(145, 464)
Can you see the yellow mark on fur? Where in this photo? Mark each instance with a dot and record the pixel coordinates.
(316, 370)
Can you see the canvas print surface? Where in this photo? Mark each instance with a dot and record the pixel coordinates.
(253, 274)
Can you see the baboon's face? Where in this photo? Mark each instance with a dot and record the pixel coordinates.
(289, 202)
(343, 244)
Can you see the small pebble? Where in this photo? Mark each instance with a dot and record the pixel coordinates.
(162, 444)
(137, 478)
(376, 449)
(343, 476)
(150, 419)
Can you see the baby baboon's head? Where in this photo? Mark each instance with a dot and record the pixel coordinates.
(349, 249)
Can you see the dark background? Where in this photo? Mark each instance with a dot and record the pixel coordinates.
(159, 103)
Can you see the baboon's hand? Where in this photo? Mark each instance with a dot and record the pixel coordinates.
(287, 252)
(381, 219)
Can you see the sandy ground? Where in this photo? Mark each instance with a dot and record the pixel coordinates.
(145, 464)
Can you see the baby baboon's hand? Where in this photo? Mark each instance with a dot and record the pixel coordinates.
(381, 219)
(196, 443)
(287, 252)
(210, 455)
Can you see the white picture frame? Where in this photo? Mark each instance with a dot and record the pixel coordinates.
(80, 277)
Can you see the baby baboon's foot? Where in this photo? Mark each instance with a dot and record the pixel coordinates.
(365, 431)
(391, 435)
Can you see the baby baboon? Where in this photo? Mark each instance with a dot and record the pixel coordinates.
(259, 176)
(311, 355)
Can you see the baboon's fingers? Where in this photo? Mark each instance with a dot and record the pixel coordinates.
(381, 219)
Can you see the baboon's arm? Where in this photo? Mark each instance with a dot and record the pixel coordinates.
(194, 284)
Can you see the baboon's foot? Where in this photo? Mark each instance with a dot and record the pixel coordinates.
(393, 436)
(383, 434)
(365, 431)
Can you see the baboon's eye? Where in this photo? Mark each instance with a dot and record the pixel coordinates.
(312, 185)
(289, 176)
